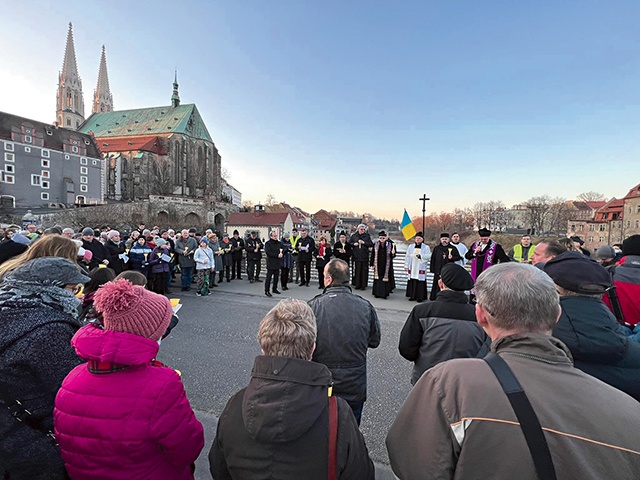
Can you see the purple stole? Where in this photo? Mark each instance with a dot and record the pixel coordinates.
(489, 254)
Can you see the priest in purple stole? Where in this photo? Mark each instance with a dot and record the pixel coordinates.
(484, 253)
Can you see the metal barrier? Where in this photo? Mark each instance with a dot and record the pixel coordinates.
(398, 270)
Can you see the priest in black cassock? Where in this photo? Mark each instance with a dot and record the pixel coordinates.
(442, 254)
(382, 255)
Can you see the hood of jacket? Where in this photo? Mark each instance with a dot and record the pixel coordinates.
(284, 398)
(92, 343)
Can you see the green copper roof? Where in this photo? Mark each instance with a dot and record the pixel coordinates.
(183, 119)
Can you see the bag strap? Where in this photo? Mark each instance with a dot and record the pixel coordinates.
(527, 417)
(333, 438)
(615, 301)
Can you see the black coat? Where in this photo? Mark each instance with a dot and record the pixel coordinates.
(360, 251)
(307, 254)
(237, 246)
(115, 249)
(10, 249)
(35, 357)
(441, 330)
(278, 426)
(347, 326)
(321, 262)
(250, 246)
(440, 257)
(98, 250)
(346, 255)
(272, 250)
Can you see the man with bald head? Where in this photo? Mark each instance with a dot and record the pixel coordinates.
(545, 251)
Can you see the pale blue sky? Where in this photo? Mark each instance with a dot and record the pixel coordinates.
(364, 105)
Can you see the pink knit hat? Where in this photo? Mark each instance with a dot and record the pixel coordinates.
(113, 233)
(130, 308)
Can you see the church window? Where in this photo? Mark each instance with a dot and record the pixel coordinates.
(68, 122)
(35, 180)
(68, 104)
(45, 153)
(77, 123)
(44, 196)
(9, 157)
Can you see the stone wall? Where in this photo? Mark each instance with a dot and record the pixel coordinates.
(164, 211)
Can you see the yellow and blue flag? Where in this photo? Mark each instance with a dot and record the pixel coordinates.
(408, 230)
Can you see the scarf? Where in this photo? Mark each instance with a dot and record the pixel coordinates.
(387, 264)
(35, 294)
(489, 254)
(321, 250)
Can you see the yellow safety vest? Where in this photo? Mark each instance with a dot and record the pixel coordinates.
(517, 252)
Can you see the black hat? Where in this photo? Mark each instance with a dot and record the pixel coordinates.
(382, 233)
(419, 234)
(294, 229)
(631, 246)
(456, 277)
(484, 232)
(577, 239)
(192, 230)
(578, 273)
(236, 232)
(444, 234)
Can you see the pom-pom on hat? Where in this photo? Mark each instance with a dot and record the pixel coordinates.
(132, 309)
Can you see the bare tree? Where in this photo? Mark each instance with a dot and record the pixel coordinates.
(247, 205)
(161, 176)
(558, 215)
(538, 208)
(271, 200)
(591, 197)
(225, 174)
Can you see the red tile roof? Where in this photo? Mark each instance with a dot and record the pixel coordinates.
(634, 192)
(257, 218)
(145, 143)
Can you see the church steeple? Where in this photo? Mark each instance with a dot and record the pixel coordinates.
(102, 99)
(70, 101)
(175, 98)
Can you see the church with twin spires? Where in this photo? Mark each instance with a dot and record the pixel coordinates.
(162, 151)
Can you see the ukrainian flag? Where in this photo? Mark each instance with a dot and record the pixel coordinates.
(408, 230)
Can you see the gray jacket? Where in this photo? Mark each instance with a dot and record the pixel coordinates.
(457, 421)
(185, 259)
(347, 326)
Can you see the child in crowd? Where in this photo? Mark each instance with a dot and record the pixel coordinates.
(204, 267)
(124, 414)
(99, 276)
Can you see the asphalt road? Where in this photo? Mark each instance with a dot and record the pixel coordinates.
(215, 344)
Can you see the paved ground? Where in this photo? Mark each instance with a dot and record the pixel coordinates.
(215, 344)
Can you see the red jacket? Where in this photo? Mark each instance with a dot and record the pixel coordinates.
(133, 423)
(626, 277)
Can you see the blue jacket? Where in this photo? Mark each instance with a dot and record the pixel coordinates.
(600, 346)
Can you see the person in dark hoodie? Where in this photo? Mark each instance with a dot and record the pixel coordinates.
(279, 423)
(13, 247)
(600, 346)
(38, 318)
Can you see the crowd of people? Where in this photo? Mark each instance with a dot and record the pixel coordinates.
(83, 315)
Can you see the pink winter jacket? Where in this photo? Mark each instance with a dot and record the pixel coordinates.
(130, 424)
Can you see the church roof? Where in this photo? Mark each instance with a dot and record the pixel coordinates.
(146, 143)
(183, 119)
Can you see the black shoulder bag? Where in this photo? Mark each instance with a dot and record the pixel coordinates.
(527, 417)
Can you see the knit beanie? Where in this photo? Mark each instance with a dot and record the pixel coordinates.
(631, 246)
(113, 233)
(132, 309)
(87, 231)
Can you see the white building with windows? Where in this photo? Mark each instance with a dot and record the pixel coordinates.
(43, 165)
